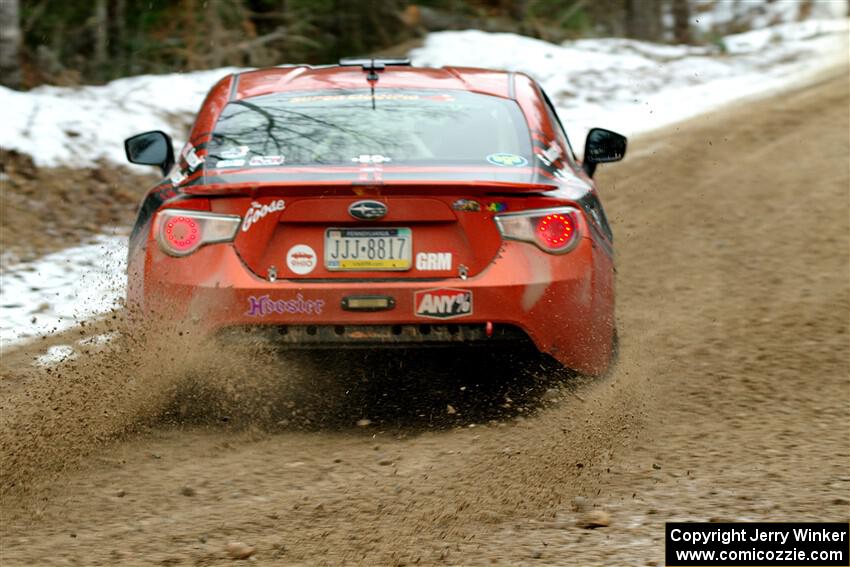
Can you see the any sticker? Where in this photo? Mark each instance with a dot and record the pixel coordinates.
(265, 305)
(230, 163)
(507, 160)
(434, 261)
(497, 207)
(443, 303)
(301, 259)
(258, 210)
(265, 160)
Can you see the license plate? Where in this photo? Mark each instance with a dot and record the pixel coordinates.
(364, 249)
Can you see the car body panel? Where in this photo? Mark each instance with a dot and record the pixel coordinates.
(563, 302)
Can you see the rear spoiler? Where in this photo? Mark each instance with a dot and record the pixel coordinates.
(360, 188)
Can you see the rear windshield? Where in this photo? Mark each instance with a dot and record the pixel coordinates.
(347, 127)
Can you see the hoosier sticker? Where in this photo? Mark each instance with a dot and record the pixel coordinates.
(443, 303)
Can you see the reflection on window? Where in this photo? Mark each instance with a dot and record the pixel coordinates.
(343, 128)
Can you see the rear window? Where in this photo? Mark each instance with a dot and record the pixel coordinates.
(347, 127)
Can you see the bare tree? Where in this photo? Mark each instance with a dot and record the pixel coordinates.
(119, 35)
(216, 34)
(10, 41)
(101, 36)
(643, 19)
(682, 21)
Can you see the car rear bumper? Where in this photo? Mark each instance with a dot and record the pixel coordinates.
(422, 335)
(563, 304)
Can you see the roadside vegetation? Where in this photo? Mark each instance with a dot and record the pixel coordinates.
(69, 43)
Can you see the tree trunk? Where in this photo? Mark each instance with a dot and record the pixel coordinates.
(190, 35)
(119, 36)
(681, 21)
(10, 41)
(101, 38)
(215, 34)
(643, 19)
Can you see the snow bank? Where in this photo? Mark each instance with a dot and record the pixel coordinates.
(721, 16)
(61, 289)
(631, 86)
(78, 125)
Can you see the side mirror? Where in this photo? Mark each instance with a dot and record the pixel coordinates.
(602, 146)
(150, 148)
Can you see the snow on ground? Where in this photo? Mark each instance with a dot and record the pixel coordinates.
(625, 85)
(631, 86)
(77, 125)
(61, 289)
(720, 17)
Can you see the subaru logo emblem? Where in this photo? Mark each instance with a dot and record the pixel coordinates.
(367, 210)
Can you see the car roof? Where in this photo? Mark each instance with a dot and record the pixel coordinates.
(307, 78)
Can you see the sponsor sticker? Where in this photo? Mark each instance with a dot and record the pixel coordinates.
(375, 158)
(551, 155)
(467, 205)
(434, 261)
(365, 97)
(507, 160)
(177, 177)
(301, 259)
(230, 163)
(443, 303)
(193, 160)
(265, 305)
(353, 97)
(258, 210)
(237, 152)
(265, 160)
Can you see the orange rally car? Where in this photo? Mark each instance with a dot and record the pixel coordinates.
(375, 204)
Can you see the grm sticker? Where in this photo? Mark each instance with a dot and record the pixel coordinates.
(434, 261)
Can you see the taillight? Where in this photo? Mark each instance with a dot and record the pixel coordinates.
(180, 232)
(555, 231)
(552, 230)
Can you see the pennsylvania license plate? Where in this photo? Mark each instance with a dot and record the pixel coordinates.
(364, 249)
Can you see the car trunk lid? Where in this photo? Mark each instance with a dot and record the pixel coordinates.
(317, 234)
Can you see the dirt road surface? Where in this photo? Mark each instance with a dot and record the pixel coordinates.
(729, 401)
